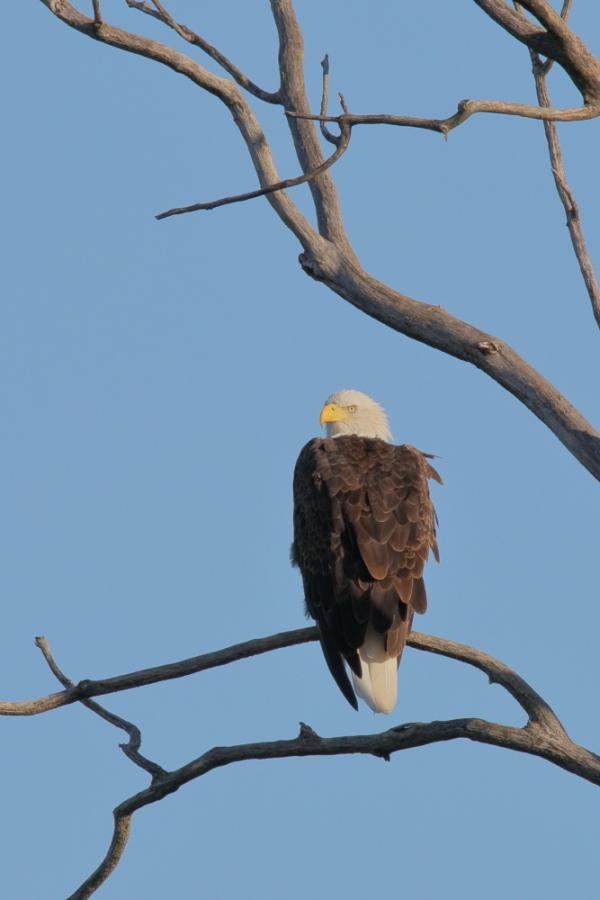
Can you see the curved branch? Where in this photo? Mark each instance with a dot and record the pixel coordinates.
(535, 739)
(198, 41)
(498, 672)
(132, 748)
(433, 326)
(110, 862)
(555, 41)
(542, 736)
(540, 71)
(327, 134)
(342, 146)
(465, 109)
(538, 711)
(335, 263)
(222, 88)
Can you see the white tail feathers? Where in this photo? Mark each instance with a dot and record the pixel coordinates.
(379, 683)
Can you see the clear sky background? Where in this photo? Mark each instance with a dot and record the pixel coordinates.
(157, 381)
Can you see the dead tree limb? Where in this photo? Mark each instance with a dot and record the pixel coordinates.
(543, 734)
(342, 146)
(191, 37)
(132, 748)
(328, 255)
(540, 70)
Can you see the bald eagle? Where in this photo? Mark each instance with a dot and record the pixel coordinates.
(363, 528)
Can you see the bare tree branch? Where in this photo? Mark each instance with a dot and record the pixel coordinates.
(97, 13)
(564, 14)
(540, 71)
(434, 326)
(466, 108)
(332, 260)
(327, 134)
(132, 748)
(342, 146)
(329, 257)
(536, 708)
(89, 688)
(543, 736)
(110, 862)
(191, 37)
(557, 42)
(223, 89)
(308, 150)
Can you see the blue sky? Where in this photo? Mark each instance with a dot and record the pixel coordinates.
(156, 383)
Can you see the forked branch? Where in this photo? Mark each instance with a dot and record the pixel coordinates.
(543, 735)
(466, 109)
(342, 146)
(328, 255)
(197, 40)
(540, 70)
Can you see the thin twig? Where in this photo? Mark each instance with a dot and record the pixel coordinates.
(132, 748)
(191, 37)
(222, 88)
(270, 188)
(540, 70)
(566, 196)
(327, 134)
(97, 12)
(564, 14)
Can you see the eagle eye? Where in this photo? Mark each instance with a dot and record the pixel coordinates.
(351, 409)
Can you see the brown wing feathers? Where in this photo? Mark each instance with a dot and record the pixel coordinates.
(363, 528)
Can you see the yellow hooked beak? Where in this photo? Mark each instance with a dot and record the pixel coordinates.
(331, 412)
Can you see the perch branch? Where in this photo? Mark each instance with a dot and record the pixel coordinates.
(542, 735)
(342, 146)
(197, 40)
(537, 710)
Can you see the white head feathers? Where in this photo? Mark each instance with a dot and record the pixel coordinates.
(361, 416)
